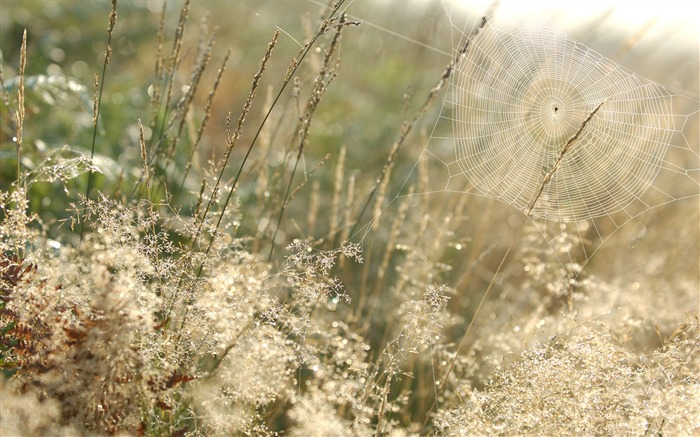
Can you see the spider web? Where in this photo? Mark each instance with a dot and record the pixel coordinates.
(573, 140)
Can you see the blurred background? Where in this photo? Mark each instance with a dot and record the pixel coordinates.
(646, 273)
(388, 64)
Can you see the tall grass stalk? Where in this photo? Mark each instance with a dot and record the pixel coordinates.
(321, 83)
(98, 103)
(19, 115)
(205, 119)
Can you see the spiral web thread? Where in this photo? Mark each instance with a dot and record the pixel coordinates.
(569, 138)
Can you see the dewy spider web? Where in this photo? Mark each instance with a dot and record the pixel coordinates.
(571, 139)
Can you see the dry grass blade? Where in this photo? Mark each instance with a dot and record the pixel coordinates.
(337, 191)
(205, 118)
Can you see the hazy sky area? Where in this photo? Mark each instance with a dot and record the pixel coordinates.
(681, 14)
(659, 40)
(641, 34)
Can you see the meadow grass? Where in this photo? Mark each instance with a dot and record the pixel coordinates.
(164, 275)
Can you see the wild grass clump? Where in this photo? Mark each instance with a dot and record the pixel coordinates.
(179, 281)
(585, 382)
